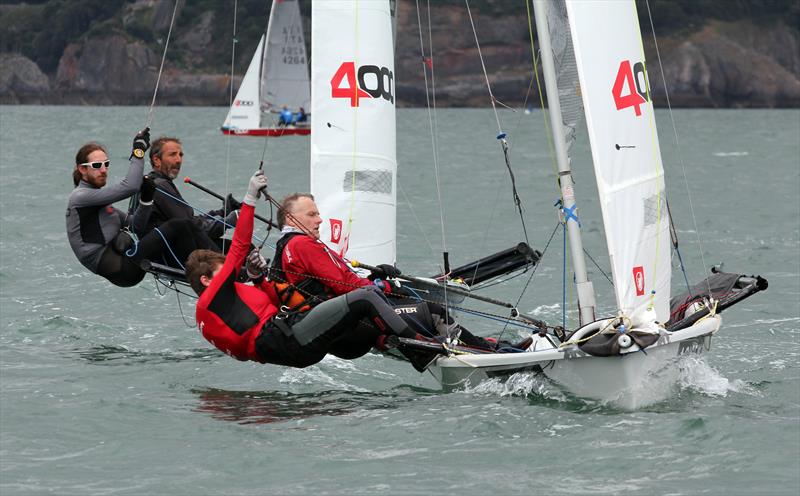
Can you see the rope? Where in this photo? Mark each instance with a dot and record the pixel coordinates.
(161, 68)
(166, 243)
(598, 267)
(234, 41)
(483, 66)
(205, 214)
(501, 136)
(416, 219)
(678, 145)
(430, 99)
(564, 279)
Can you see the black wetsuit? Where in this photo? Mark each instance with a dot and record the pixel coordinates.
(172, 206)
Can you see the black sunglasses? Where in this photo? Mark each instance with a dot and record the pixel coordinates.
(96, 165)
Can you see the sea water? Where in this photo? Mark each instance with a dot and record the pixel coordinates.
(105, 390)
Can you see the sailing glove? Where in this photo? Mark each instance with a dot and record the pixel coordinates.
(256, 264)
(384, 271)
(257, 187)
(141, 143)
(147, 191)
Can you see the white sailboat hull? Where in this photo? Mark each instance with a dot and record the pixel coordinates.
(624, 380)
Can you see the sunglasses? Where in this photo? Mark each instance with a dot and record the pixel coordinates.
(96, 165)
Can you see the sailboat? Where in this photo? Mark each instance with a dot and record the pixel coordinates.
(600, 74)
(276, 80)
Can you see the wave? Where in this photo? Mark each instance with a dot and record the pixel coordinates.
(731, 154)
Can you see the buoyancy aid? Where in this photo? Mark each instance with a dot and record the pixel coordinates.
(296, 297)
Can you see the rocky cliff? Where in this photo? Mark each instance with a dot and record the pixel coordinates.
(719, 64)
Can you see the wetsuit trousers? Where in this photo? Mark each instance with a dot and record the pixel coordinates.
(304, 343)
(170, 243)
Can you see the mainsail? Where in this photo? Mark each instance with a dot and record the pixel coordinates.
(284, 79)
(627, 159)
(353, 155)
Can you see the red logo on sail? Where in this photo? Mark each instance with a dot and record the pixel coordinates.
(336, 230)
(635, 79)
(638, 279)
(368, 81)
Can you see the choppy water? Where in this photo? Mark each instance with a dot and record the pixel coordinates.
(108, 391)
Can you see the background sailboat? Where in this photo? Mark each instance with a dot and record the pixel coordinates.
(276, 79)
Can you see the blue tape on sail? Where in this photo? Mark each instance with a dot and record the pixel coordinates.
(501, 135)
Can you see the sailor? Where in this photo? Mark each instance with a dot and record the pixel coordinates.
(245, 322)
(166, 158)
(104, 238)
(286, 118)
(301, 117)
(303, 260)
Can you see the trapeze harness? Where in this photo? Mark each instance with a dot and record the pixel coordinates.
(295, 299)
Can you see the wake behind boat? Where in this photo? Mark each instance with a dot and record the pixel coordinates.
(275, 90)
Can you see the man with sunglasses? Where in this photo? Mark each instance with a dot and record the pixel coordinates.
(166, 157)
(100, 235)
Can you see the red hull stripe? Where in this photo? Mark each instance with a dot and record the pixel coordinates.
(269, 131)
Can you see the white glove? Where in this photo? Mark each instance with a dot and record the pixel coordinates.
(254, 190)
(256, 264)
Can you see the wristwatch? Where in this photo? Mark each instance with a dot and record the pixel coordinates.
(138, 153)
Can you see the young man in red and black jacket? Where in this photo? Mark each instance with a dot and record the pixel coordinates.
(244, 321)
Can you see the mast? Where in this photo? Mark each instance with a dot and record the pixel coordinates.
(586, 298)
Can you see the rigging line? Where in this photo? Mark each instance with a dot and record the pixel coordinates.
(180, 309)
(430, 100)
(234, 41)
(488, 226)
(680, 154)
(416, 219)
(535, 267)
(205, 214)
(485, 74)
(501, 135)
(598, 267)
(161, 69)
(545, 112)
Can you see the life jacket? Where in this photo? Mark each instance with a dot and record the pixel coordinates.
(298, 297)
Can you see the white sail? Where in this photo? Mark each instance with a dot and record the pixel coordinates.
(627, 159)
(284, 79)
(353, 155)
(245, 112)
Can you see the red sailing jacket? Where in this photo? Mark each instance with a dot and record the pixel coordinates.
(230, 314)
(306, 255)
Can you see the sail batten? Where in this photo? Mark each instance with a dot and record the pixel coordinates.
(620, 122)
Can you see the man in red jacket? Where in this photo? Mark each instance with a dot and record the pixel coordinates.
(306, 262)
(244, 321)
